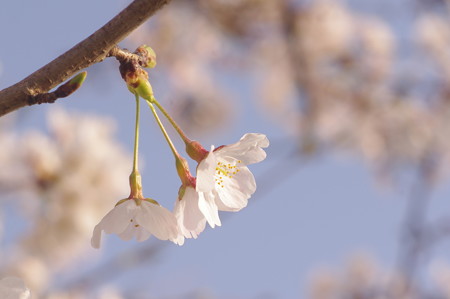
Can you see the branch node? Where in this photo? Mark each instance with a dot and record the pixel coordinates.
(131, 64)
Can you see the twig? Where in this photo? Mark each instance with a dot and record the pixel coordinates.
(92, 50)
(414, 241)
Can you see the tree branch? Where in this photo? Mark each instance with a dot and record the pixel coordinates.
(88, 52)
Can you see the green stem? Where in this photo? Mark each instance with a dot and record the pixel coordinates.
(171, 120)
(136, 136)
(161, 126)
(135, 177)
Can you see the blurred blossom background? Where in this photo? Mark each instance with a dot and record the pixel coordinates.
(352, 200)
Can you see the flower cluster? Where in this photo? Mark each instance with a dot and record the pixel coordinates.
(53, 181)
(223, 181)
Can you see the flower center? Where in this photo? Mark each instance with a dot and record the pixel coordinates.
(225, 170)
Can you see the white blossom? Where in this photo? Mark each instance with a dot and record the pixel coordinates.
(191, 220)
(223, 180)
(140, 218)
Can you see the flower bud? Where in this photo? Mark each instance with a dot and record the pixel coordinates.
(144, 88)
(148, 56)
(71, 86)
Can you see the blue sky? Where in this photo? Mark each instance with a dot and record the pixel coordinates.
(318, 215)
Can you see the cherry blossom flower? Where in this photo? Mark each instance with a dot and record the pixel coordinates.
(223, 180)
(191, 220)
(140, 218)
(13, 288)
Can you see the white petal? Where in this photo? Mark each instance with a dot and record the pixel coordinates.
(237, 190)
(118, 219)
(222, 207)
(179, 240)
(159, 221)
(190, 219)
(96, 236)
(13, 288)
(142, 234)
(205, 172)
(255, 138)
(209, 209)
(248, 150)
(128, 232)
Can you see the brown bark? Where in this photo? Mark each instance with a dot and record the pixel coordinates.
(89, 51)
